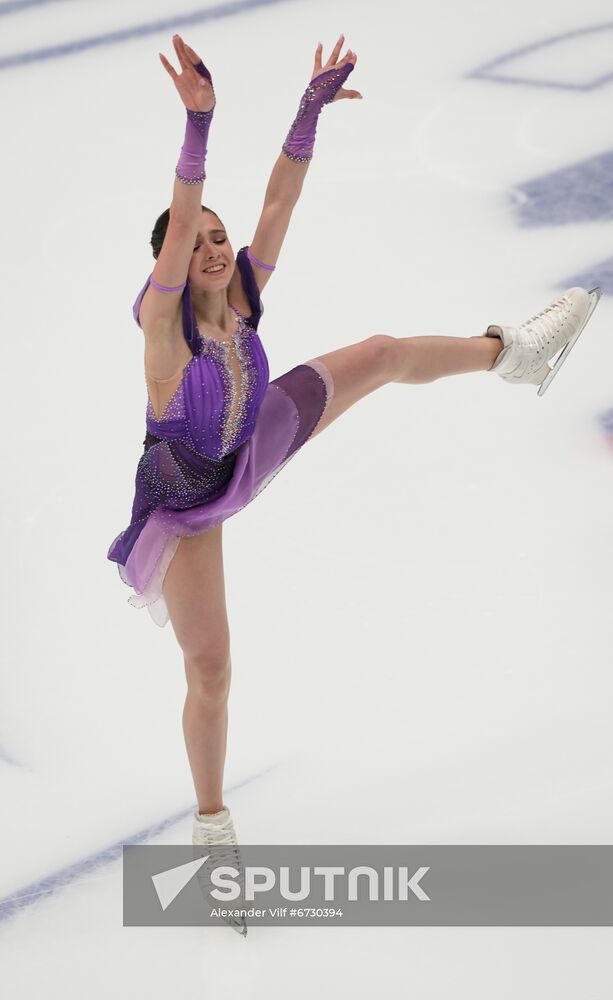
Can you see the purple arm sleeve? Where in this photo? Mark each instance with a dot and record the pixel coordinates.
(321, 90)
(190, 168)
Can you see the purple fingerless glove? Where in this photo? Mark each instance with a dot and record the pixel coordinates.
(321, 90)
(190, 168)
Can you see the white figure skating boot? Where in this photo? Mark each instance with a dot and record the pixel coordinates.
(528, 348)
(217, 830)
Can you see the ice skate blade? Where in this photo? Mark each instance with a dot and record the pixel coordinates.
(238, 924)
(239, 928)
(594, 294)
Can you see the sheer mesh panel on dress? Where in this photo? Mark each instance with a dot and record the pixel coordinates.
(181, 477)
(310, 395)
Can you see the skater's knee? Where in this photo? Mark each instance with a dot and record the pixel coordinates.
(208, 675)
(382, 349)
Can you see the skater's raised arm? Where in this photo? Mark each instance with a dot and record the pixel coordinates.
(160, 307)
(286, 180)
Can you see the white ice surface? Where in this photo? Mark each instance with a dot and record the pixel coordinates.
(420, 604)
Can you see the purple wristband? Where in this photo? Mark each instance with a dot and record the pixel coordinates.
(254, 260)
(321, 90)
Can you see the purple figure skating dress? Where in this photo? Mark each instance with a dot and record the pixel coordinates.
(199, 466)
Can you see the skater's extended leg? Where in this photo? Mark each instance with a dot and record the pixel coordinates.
(356, 371)
(425, 359)
(195, 595)
(359, 369)
(518, 355)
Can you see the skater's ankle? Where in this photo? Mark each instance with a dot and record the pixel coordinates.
(497, 348)
(211, 810)
(493, 346)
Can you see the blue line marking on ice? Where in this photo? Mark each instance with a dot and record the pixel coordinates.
(487, 71)
(136, 31)
(29, 894)
(12, 6)
(600, 274)
(582, 192)
(606, 421)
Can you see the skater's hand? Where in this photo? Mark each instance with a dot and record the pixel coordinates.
(332, 63)
(194, 83)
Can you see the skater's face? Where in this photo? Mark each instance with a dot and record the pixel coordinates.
(211, 249)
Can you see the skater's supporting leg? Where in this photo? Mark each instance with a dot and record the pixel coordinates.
(205, 729)
(195, 595)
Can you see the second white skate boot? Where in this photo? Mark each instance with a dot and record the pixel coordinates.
(528, 348)
(217, 830)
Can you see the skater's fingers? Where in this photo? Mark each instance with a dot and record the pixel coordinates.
(342, 93)
(191, 52)
(195, 59)
(350, 57)
(335, 51)
(180, 50)
(167, 66)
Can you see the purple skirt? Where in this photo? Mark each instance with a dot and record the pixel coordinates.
(289, 414)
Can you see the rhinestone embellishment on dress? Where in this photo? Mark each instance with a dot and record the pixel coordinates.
(236, 397)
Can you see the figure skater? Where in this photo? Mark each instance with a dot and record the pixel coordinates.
(218, 431)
